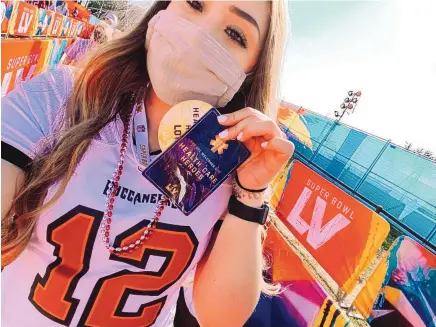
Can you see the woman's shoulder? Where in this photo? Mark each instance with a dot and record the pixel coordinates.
(49, 91)
(35, 109)
(41, 99)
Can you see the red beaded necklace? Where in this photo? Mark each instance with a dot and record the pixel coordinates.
(110, 202)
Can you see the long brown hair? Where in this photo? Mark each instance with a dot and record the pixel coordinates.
(117, 69)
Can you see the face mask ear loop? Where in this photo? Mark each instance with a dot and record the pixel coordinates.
(248, 78)
(250, 75)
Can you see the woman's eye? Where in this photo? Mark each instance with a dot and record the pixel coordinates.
(195, 5)
(236, 36)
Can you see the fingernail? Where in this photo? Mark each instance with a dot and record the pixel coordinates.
(223, 134)
(222, 118)
(239, 137)
(264, 144)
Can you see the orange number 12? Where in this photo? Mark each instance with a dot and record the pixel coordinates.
(73, 236)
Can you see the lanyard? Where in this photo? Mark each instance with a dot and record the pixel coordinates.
(141, 135)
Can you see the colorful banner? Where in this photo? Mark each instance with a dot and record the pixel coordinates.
(56, 24)
(406, 278)
(59, 46)
(278, 185)
(66, 26)
(341, 233)
(78, 11)
(72, 32)
(84, 30)
(303, 302)
(291, 121)
(6, 13)
(21, 60)
(44, 19)
(23, 20)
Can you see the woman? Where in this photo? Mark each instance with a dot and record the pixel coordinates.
(111, 19)
(74, 220)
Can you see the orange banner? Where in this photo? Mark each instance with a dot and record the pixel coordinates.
(83, 13)
(21, 60)
(285, 265)
(86, 30)
(24, 19)
(56, 24)
(340, 232)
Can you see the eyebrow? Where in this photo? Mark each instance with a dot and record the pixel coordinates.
(245, 16)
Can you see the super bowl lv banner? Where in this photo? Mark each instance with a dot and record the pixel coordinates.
(21, 60)
(72, 32)
(340, 232)
(24, 19)
(56, 24)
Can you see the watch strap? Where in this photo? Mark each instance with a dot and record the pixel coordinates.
(244, 212)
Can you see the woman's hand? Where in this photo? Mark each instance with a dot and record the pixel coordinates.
(269, 148)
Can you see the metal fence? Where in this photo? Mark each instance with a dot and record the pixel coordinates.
(399, 184)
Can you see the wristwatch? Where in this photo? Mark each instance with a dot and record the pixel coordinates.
(244, 212)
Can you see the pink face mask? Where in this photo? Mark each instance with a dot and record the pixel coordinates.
(185, 62)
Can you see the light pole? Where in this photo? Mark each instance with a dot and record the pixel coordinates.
(349, 104)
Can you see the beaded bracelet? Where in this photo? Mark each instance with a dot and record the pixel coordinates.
(247, 189)
(240, 192)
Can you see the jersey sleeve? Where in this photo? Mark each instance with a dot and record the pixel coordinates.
(32, 112)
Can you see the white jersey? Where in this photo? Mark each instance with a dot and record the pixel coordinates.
(66, 276)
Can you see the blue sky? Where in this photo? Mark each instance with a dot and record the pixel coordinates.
(385, 48)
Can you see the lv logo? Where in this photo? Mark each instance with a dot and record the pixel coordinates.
(172, 188)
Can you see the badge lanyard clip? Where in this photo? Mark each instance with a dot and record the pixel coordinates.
(141, 134)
